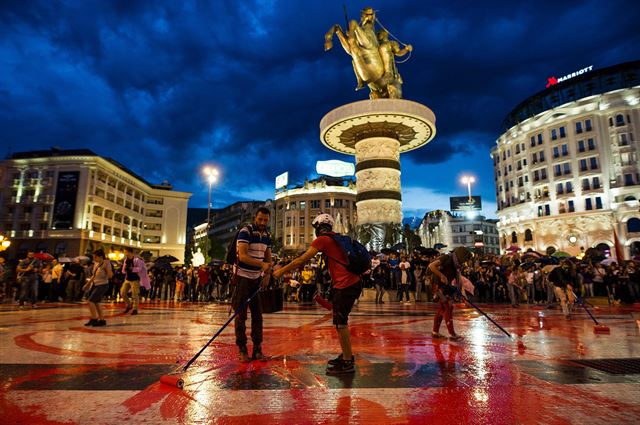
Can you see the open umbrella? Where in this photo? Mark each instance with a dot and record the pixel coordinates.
(608, 261)
(531, 254)
(82, 258)
(167, 259)
(43, 256)
(561, 254)
(64, 260)
(439, 246)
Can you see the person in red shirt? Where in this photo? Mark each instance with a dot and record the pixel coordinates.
(346, 288)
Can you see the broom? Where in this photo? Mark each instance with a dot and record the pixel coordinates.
(598, 328)
(174, 379)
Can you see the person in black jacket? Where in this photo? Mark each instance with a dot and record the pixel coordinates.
(562, 279)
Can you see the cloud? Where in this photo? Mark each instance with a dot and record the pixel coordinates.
(165, 87)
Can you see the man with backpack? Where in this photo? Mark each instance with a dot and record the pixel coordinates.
(347, 260)
(252, 257)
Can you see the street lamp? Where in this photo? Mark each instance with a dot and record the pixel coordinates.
(212, 176)
(4, 243)
(468, 180)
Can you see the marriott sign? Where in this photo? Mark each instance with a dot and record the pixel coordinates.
(553, 80)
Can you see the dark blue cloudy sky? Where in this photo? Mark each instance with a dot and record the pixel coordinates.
(168, 86)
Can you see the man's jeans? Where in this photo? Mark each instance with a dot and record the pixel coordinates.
(29, 288)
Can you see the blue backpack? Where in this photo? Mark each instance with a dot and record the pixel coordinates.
(358, 258)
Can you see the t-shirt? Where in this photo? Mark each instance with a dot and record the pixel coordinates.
(336, 261)
(258, 243)
(101, 273)
(404, 268)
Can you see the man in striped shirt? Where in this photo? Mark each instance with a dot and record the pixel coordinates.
(254, 262)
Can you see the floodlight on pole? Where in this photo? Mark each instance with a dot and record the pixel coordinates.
(468, 180)
(212, 176)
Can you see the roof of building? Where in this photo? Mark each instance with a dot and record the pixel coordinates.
(57, 152)
(621, 76)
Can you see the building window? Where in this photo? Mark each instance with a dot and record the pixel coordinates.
(554, 134)
(598, 203)
(569, 187)
(628, 179)
(301, 221)
(593, 163)
(536, 176)
(541, 156)
(533, 141)
(566, 168)
(514, 238)
(585, 184)
(565, 150)
(547, 209)
(587, 125)
(619, 120)
(557, 171)
(596, 183)
(292, 206)
(581, 146)
(303, 205)
(623, 139)
(543, 174)
(528, 235)
(583, 165)
(327, 203)
(588, 204)
(563, 134)
(592, 144)
(578, 127)
(559, 188)
(315, 205)
(540, 140)
(556, 152)
(301, 239)
(571, 206)
(288, 221)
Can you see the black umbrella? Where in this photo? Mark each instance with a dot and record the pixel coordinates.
(167, 259)
(439, 246)
(427, 251)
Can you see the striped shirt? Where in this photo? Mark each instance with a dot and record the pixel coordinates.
(258, 242)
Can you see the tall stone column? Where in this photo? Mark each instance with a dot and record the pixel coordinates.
(376, 132)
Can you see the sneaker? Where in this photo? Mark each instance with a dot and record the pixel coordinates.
(128, 309)
(134, 312)
(257, 354)
(91, 322)
(100, 323)
(335, 361)
(243, 355)
(343, 367)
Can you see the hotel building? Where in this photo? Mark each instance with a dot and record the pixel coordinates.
(71, 202)
(566, 167)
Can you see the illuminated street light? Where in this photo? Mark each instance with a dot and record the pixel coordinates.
(468, 180)
(212, 176)
(4, 243)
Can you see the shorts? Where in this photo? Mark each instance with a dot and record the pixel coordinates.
(343, 300)
(97, 292)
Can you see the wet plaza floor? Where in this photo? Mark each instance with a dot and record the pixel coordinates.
(54, 370)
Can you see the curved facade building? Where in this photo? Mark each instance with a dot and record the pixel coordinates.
(566, 167)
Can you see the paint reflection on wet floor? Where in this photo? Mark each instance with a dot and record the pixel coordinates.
(52, 365)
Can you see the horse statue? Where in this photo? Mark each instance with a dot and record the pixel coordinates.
(372, 54)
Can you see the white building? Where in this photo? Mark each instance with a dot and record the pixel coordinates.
(443, 227)
(74, 201)
(296, 207)
(566, 168)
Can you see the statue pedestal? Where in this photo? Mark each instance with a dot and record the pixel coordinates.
(377, 132)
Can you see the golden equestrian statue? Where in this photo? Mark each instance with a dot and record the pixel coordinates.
(372, 54)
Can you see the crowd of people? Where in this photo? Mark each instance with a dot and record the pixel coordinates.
(395, 277)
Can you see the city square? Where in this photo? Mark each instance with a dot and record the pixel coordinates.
(261, 212)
